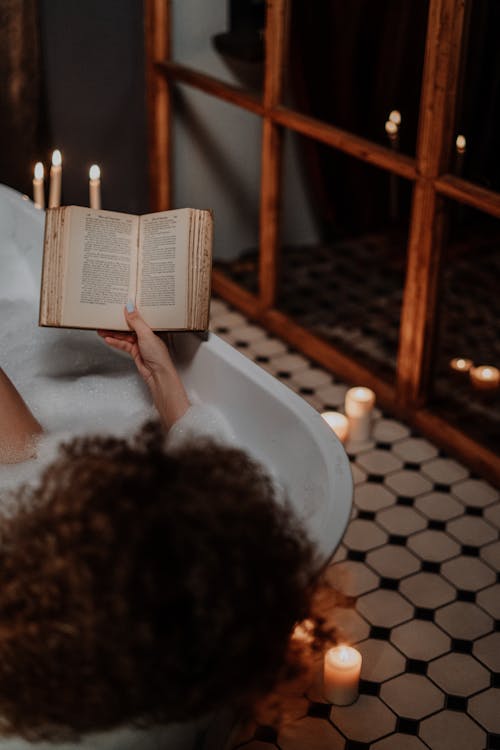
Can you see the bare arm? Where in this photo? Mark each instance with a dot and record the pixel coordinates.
(18, 426)
(154, 364)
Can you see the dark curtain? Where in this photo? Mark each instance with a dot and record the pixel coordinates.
(351, 63)
(21, 116)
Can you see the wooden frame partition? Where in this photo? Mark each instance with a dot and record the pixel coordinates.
(407, 397)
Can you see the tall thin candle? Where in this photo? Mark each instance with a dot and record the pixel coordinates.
(38, 186)
(55, 180)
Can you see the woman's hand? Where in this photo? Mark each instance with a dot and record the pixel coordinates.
(154, 364)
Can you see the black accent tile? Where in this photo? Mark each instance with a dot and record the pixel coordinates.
(397, 539)
(380, 633)
(466, 596)
(262, 360)
(222, 329)
(241, 344)
(306, 391)
(471, 510)
(411, 466)
(495, 679)
(377, 478)
(356, 554)
(319, 710)
(436, 525)
(423, 613)
(493, 742)
(497, 625)
(283, 374)
(416, 666)
(440, 487)
(428, 566)
(407, 501)
(265, 734)
(407, 726)
(456, 703)
(470, 551)
(389, 583)
(369, 688)
(383, 446)
(461, 646)
(356, 745)
(366, 515)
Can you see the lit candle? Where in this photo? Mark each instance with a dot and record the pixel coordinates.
(341, 670)
(359, 403)
(38, 186)
(395, 117)
(55, 180)
(95, 186)
(392, 130)
(485, 377)
(338, 422)
(459, 364)
(460, 144)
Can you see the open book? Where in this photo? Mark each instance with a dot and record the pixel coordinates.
(95, 261)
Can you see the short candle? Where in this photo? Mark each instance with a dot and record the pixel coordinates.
(95, 186)
(460, 364)
(338, 422)
(38, 186)
(359, 403)
(485, 377)
(55, 180)
(341, 670)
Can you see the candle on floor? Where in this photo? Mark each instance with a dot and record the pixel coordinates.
(341, 670)
(485, 377)
(359, 403)
(38, 186)
(95, 186)
(395, 117)
(338, 422)
(55, 180)
(460, 364)
(460, 144)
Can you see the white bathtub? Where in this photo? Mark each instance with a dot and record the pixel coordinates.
(58, 371)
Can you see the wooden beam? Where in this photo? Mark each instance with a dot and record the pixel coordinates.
(437, 106)
(158, 103)
(469, 193)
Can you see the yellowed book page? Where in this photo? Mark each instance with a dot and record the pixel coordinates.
(101, 268)
(163, 268)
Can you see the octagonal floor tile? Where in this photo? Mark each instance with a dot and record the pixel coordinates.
(472, 530)
(489, 599)
(363, 535)
(427, 590)
(420, 639)
(393, 561)
(384, 608)
(445, 470)
(379, 462)
(358, 475)
(487, 650)
(485, 708)
(475, 492)
(434, 546)
(491, 554)
(381, 661)
(412, 696)
(439, 506)
(468, 573)
(388, 431)
(401, 520)
(408, 483)
(313, 733)
(492, 514)
(399, 741)
(450, 730)
(415, 450)
(459, 674)
(352, 578)
(464, 620)
(333, 395)
(351, 626)
(373, 497)
(364, 721)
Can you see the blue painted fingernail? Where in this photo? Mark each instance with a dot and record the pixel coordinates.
(130, 306)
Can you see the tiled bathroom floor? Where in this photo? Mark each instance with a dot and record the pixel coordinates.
(421, 559)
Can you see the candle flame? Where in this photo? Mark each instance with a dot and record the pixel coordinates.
(395, 117)
(39, 171)
(56, 158)
(460, 143)
(487, 373)
(362, 394)
(94, 172)
(343, 654)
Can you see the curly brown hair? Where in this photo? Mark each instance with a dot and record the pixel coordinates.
(141, 585)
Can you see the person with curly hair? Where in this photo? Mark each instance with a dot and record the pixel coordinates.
(139, 583)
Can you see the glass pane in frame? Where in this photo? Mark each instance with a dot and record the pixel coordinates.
(222, 38)
(343, 252)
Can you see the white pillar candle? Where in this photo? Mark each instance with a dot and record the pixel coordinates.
(485, 377)
(460, 364)
(95, 186)
(55, 180)
(38, 186)
(359, 403)
(338, 422)
(341, 670)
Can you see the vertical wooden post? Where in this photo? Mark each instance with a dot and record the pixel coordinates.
(435, 139)
(158, 101)
(271, 153)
